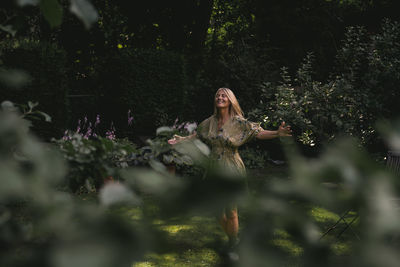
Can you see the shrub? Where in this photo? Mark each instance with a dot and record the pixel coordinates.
(254, 157)
(91, 161)
(360, 91)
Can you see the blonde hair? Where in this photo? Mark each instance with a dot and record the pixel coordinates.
(234, 108)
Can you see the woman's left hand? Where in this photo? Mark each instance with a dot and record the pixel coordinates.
(284, 130)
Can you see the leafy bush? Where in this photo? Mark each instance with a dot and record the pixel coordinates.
(159, 150)
(46, 65)
(92, 161)
(254, 157)
(360, 91)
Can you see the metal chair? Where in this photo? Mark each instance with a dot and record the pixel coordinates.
(347, 214)
(392, 163)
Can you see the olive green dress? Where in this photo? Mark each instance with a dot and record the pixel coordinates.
(225, 141)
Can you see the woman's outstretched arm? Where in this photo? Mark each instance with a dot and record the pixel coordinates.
(177, 138)
(281, 132)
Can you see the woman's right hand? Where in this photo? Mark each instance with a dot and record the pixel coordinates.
(175, 139)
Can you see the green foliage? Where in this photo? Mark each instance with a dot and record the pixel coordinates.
(159, 151)
(92, 161)
(253, 157)
(46, 65)
(84, 10)
(52, 11)
(149, 82)
(42, 226)
(27, 112)
(164, 151)
(361, 91)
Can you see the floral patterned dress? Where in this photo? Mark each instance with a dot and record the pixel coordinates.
(225, 141)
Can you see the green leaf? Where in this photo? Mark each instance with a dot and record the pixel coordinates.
(32, 105)
(178, 160)
(14, 78)
(115, 193)
(187, 160)
(9, 29)
(46, 116)
(157, 166)
(163, 129)
(167, 159)
(339, 123)
(52, 11)
(8, 106)
(27, 2)
(85, 11)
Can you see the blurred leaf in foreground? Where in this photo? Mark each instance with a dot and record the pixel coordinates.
(14, 78)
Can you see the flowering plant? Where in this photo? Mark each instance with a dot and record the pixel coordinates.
(93, 157)
(163, 151)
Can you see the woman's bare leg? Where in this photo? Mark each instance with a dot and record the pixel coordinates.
(230, 224)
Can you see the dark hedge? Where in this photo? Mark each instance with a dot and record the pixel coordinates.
(151, 83)
(46, 64)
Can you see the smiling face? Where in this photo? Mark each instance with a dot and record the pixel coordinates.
(221, 99)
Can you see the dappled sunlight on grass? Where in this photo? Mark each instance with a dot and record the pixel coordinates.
(343, 245)
(173, 229)
(281, 233)
(194, 241)
(190, 257)
(195, 232)
(283, 241)
(342, 248)
(322, 215)
(288, 246)
(144, 264)
(134, 213)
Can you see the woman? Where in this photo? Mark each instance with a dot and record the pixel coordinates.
(224, 132)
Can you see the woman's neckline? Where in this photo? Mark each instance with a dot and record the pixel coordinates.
(222, 125)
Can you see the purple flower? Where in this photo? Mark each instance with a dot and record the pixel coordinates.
(88, 133)
(66, 136)
(97, 120)
(130, 118)
(78, 128)
(175, 123)
(180, 126)
(110, 134)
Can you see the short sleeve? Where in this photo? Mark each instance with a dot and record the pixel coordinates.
(243, 131)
